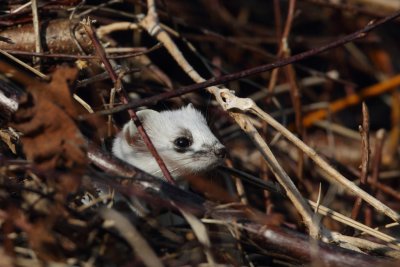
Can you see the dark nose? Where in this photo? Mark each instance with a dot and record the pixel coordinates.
(220, 152)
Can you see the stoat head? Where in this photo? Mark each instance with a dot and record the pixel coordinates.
(181, 137)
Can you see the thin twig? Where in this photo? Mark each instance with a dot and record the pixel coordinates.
(29, 68)
(345, 6)
(376, 163)
(283, 50)
(259, 69)
(36, 28)
(142, 51)
(18, 9)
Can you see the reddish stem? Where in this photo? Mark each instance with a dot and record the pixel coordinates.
(124, 99)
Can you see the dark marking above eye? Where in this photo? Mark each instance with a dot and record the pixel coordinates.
(183, 142)
(185, 133)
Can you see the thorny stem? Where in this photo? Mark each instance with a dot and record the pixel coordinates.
(251, 71)
(364, 131)
(124, 99)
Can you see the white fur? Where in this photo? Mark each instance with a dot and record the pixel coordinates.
(163, 128)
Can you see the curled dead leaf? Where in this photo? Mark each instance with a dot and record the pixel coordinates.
(51, 139)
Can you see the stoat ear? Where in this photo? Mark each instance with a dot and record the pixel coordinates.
(190, 105)
(146, 114)
(131, 134)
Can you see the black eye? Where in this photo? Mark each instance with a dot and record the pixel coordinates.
(182, 142)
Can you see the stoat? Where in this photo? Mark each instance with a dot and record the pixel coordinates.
(181, 137)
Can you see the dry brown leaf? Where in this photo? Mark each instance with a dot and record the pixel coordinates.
(51, 139)
(40, 233)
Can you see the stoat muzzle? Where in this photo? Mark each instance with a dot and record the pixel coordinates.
(181, 137)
